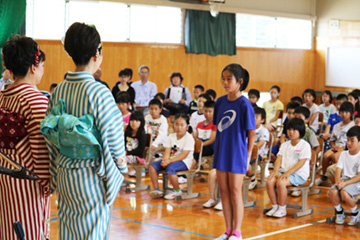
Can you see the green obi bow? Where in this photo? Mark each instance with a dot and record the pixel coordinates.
(76, 138)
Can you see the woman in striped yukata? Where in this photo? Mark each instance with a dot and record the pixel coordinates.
(85, 136)
(21, 110)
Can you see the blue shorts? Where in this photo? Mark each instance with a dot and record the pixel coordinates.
(352, 189)
(294, 179)
(172, 168)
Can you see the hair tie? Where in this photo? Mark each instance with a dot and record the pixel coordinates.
(37, 54)
(3, 62)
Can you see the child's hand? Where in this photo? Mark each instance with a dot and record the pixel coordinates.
(273, 175)
(341, 184)
(165, 162)
(182, 101)
(284, 176)
(269, 127)
(326, 136)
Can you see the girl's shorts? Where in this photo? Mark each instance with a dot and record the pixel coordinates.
(172, 168)
(295, 179)
(352, 189)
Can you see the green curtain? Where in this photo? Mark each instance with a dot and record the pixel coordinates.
(12, 18)
(210, 35)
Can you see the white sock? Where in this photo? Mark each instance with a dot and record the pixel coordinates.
(354, 209)
(275, 206)
(338, 208)
(282, 207)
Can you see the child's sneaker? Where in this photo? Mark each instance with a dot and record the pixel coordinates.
(182, 180)
(340, 216)
(296, 193)
(354, 218)
(156, 194)
(272, 211)
(280, 213)
(235, 238)
(210, 203)
(222, 237)
(173, 195)
(252, 184)
(218, 206)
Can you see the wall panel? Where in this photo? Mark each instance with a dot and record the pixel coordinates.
(292, 70)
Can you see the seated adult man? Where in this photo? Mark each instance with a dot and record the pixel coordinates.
(144, 89)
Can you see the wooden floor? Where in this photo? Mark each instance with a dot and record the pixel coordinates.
(137, 216)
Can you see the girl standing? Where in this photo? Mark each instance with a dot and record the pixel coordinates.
(235, 120)
(21, 110)
(87, 157)
(135, 138)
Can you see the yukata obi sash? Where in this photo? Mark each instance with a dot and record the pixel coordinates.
(75, 138)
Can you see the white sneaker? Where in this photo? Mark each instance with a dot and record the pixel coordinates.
(182, 180)
(132, 173)
(210, 203)
(279, 213)
(272, 211)
(318, 182)
(340, 217)
(271, 165)
(354, 218)
(222, 237)
(173, 195)
(234, 238)
(218, 206)
(252, 184)
(156, 194)
(296, 193)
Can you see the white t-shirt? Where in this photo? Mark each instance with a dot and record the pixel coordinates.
(350, 164)
(177, 146)
(262, 134)
(195, 119)
(314, 109)
(158, 128)
(327, 111)
(292, 154)
(339, 133)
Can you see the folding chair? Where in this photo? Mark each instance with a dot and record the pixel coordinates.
(321, 122)
(190, 174)
(313, 189)
(303, 209)
(264, 163)
(138, 169)
(247, 180)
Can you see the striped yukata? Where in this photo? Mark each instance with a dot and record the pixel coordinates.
(24, 200)
(87, 188)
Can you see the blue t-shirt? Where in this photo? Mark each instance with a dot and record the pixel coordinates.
(333, 120)
(233, 119)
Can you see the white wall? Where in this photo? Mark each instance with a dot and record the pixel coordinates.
(335, 9)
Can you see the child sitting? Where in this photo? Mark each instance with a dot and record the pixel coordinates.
(273, 108)
(254, 96)
(177, 97)
(123, 85)
(309, 97)
(164, 111)
(347, 178)
(135, 139)
(198, 116)
(206, 130)
(261, 138)
(291, 167)
(123, 103)
(338, 138)
(353, 98)
(297, 100)
(178, 156)
(198, 89)
(326, 107)
(357, 120)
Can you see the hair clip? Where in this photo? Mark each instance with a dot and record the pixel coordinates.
(3, 62)
(37, 54)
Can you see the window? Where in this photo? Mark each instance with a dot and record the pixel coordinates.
(45, 19)
(271, 32)
(155, 24)
(116, 22)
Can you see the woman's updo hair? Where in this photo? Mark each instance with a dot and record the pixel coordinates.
(20, 53)
(82, 42)
(238, 72)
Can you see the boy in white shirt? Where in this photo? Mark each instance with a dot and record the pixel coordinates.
(198, 116)
(291, 167)
(347, 178)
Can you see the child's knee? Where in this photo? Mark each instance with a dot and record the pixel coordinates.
(345, 195)
(333, 194)
(281, 184)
